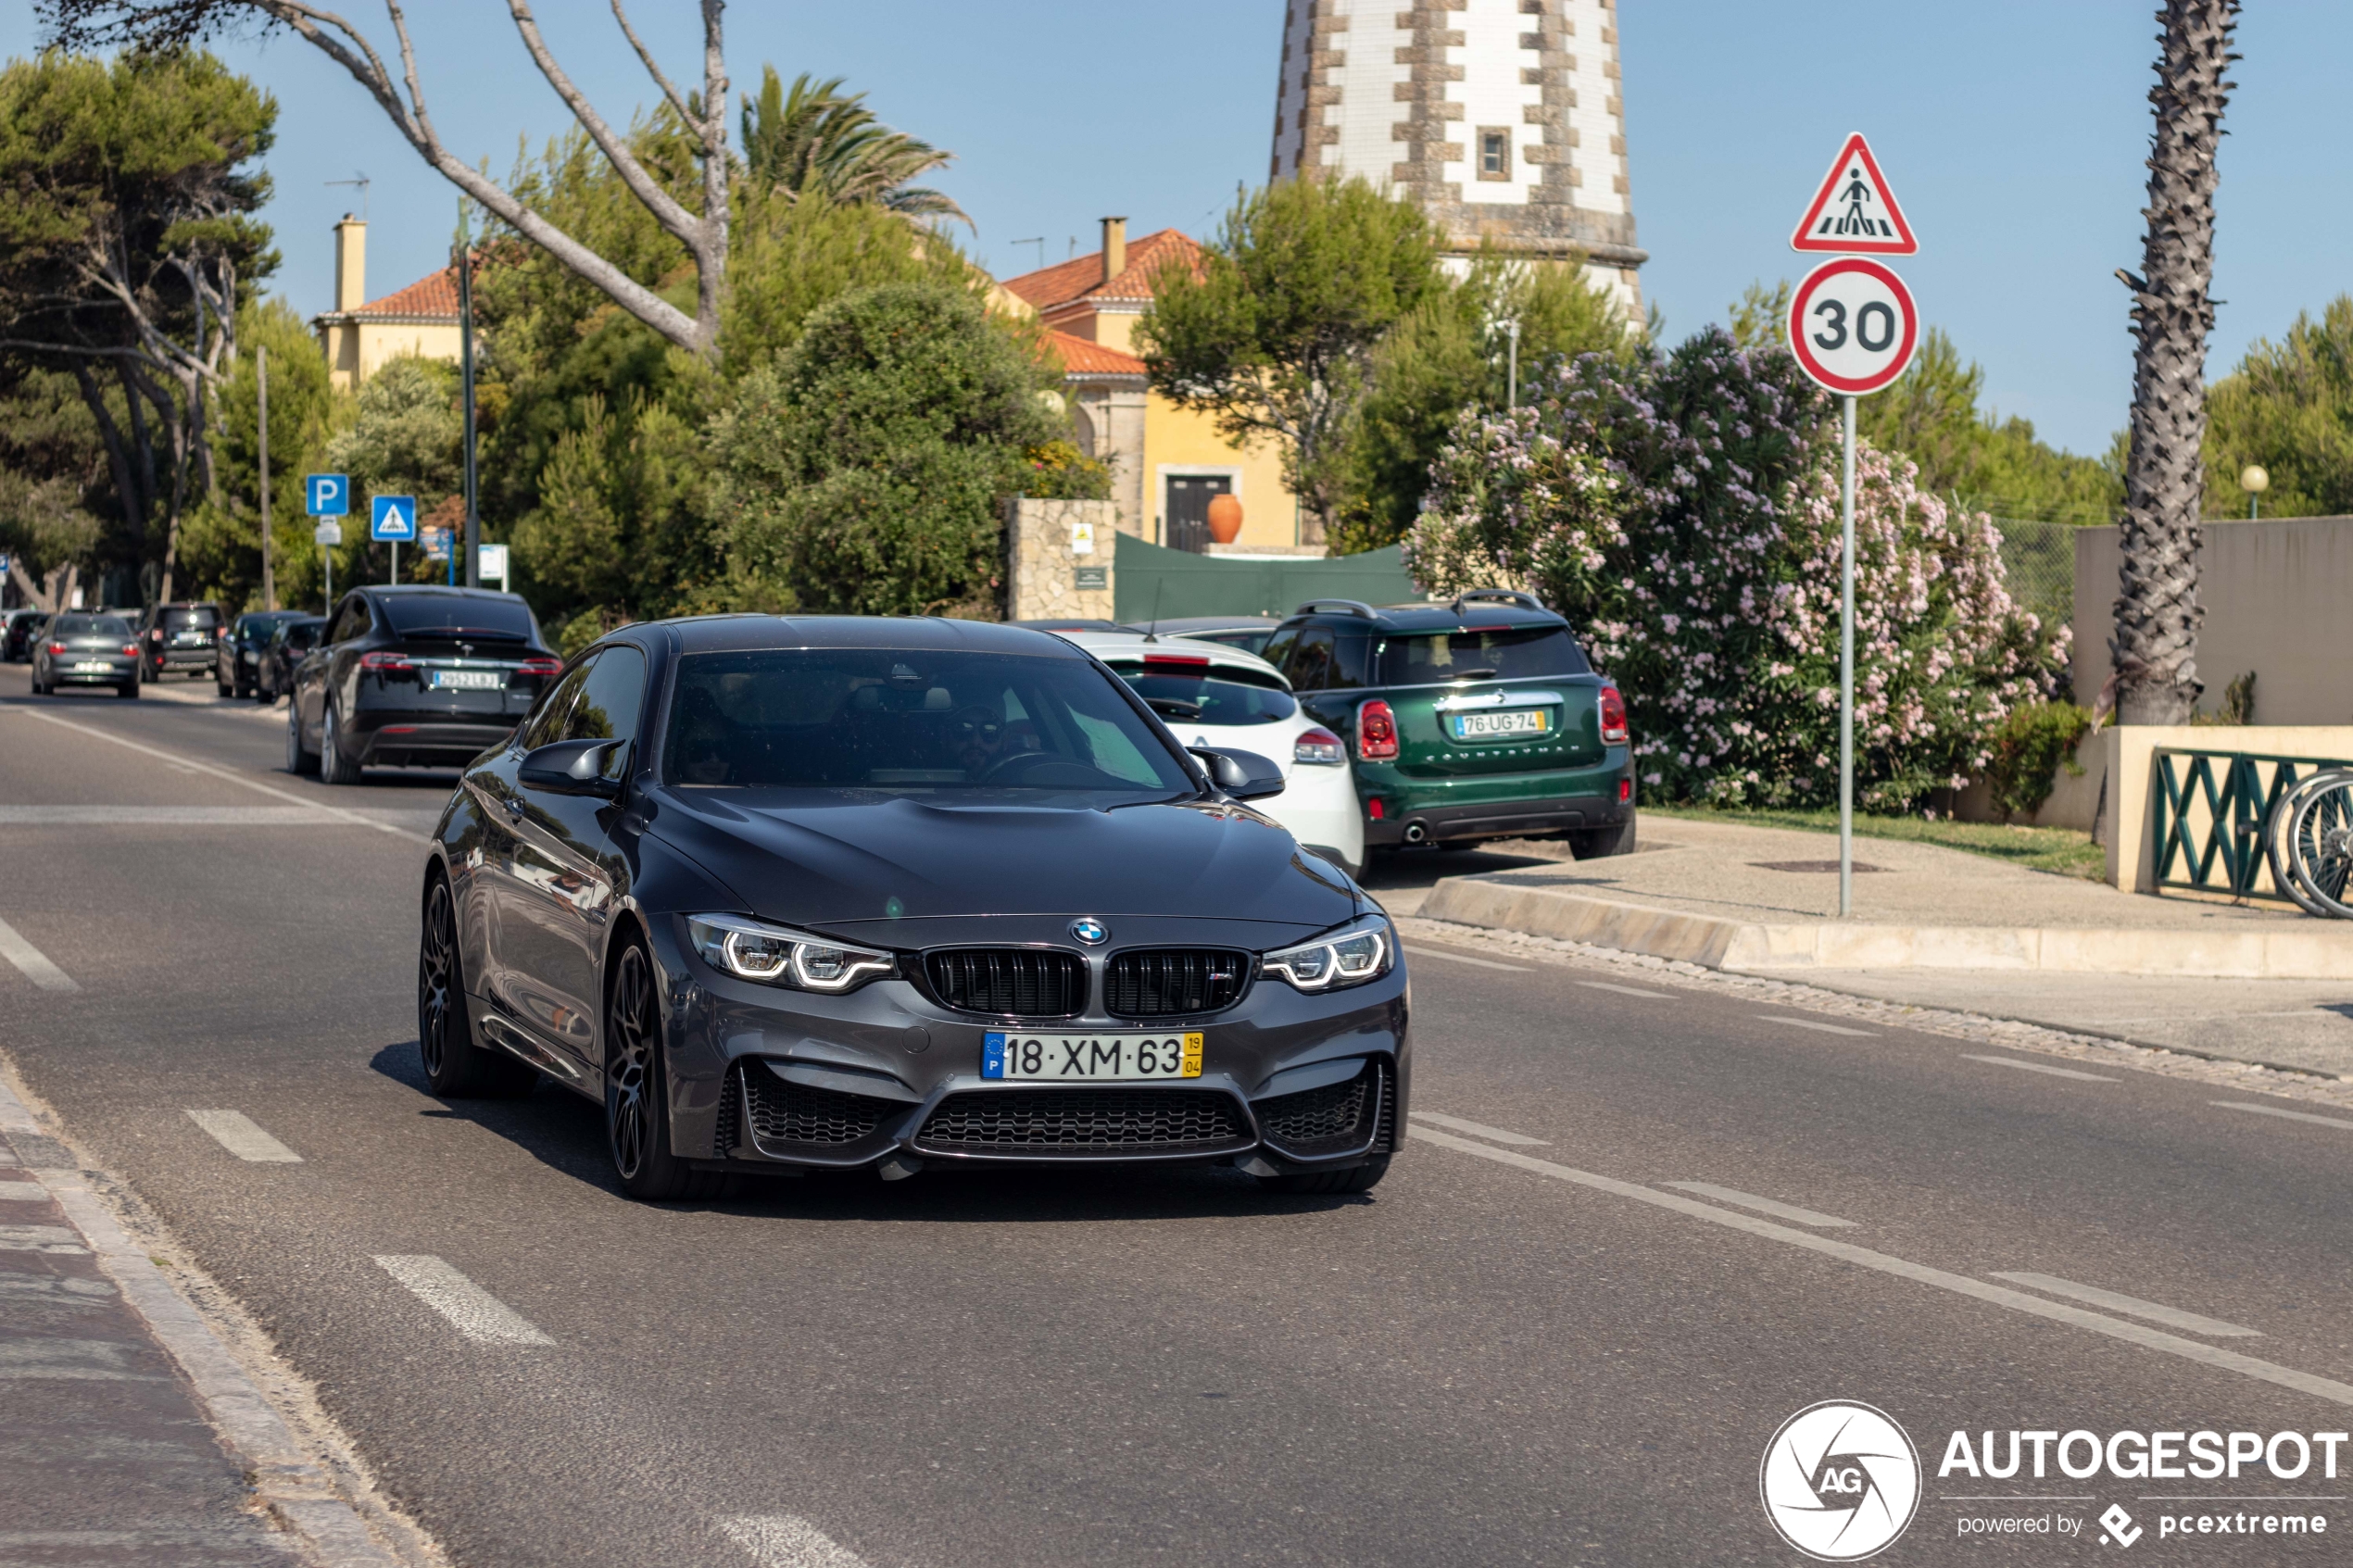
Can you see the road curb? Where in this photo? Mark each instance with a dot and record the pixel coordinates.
(2303, 950)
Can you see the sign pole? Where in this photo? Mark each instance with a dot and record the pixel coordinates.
(466, 368)
(395, 562)
(261, 391)
(1846, 667)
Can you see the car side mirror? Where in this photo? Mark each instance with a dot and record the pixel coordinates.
(1245, 775)
(571, 767)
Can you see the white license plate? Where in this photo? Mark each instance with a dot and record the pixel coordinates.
(469, 679)
(1516, 722)
(1097, 1058)
(93, 666)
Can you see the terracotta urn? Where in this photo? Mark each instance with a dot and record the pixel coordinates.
(1224, 519)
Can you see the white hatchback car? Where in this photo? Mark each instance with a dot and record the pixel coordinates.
(1210, 695)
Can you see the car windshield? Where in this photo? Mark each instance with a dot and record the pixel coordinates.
(91, 626)
(459, 615)
(914, 722)
(1485, 653)
(1192, 690)
(202, 618)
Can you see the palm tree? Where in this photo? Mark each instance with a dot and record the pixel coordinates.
(2155, 650)
(816, 141)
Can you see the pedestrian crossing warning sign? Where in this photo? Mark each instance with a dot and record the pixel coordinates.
(1854, 213)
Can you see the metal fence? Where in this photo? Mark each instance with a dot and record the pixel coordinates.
(2040, 559)
(2205, 825)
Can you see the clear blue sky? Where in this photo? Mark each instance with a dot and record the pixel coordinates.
(2013, 133)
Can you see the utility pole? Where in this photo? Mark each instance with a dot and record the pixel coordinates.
(466, 367)
(269, 568)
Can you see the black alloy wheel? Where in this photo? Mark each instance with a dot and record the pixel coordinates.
(334, 766)
(299, 758)
(636, 1090)
(1357, 1178)
(455, 1067)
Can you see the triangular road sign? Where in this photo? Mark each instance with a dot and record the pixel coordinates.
(1854, 213)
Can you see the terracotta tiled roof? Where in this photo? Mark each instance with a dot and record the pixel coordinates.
(1081, 358)
(434, 296)
(1081, 278)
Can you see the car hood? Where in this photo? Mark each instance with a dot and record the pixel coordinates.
(841, 864)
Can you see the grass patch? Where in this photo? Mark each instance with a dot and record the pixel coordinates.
(2060, 850)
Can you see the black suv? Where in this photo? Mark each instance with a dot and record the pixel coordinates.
(243, 647)
(290, 642)
(1475, 720)
(415, 676)
(185, 637)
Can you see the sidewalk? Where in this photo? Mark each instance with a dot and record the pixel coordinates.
(1932, 927)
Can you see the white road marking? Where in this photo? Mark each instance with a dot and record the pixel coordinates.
(2036, 1067)
(1920, 1273)
(1418, 951)
(1810, 1024)
(472, 1311)
(236, 1132)
(167, 816)
(2291, 1115)
(33, 964)
(352, 817)
(23, 1192)
(1475, 1129)
(786, 1541)
(1762, 1205)
(1626, 990)
(2133, 1306)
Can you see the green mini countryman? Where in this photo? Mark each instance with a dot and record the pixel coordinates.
(1471, 720)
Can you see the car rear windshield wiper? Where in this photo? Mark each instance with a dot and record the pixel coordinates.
(1482, 673)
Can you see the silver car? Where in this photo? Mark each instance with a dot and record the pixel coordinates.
(86, 650)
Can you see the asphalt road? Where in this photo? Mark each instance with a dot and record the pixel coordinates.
(1526, 1346)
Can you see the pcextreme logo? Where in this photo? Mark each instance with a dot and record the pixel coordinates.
(1840, 1481)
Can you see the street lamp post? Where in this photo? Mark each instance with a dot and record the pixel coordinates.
(2254, 481)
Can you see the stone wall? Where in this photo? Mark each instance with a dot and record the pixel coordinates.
(1060, 559)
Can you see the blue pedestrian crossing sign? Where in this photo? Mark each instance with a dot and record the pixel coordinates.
(393, 518)
(326, 494)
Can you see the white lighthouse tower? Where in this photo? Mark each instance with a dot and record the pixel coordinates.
(1503, 118)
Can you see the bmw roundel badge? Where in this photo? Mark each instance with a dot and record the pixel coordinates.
(1094, 933)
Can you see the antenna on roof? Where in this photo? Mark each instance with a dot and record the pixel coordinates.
(360, 179)
(1040, 243)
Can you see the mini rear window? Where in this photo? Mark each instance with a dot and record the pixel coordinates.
(1490, 653)
(189, 620)
(455, 615)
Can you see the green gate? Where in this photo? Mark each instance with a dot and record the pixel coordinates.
(1154, 581)
(2203, 824)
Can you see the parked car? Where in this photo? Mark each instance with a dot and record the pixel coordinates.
(1478, 719)
(184, 635)
(1248, 633)
(1212, 695)
(762, 888)
(414, 676)
(1071, 623)
(15, 641)
(86, 649)
(244, 643)
(289, 641)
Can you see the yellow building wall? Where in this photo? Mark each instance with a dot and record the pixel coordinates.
(1187, 442)
(355, 351)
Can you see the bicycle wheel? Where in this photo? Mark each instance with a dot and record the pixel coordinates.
(2276, 850)
(2321, 841)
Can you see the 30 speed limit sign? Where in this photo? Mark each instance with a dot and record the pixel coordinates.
(1853, 326)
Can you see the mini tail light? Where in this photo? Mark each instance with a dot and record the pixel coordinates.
(1318, 745)
(1625, 791)
(543, 667)
(1375, 732)
(56, 647)
(385, 661)
(1613, 717)
(1375, 809)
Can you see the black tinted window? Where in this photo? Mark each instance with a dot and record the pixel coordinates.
(904, 722)
(91, 626)
(1184, 693)
(610, 699)
(352, 622)
(1501, 653)
(456, 615)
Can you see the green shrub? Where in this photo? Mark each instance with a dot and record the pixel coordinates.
(2029, 747)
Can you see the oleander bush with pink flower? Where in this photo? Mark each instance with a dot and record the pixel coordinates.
(1682, 510)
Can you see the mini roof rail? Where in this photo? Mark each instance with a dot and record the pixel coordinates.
(1345, 606)
(1498, 596)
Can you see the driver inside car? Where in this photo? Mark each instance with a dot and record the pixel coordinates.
(976, 738)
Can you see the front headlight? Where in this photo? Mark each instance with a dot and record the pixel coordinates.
(1350, 956)
(776, 955)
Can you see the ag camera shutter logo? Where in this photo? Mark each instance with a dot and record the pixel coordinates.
(1840, 1481)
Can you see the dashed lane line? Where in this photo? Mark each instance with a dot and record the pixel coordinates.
(1920, 1273)
(2290, 1115)
(237, 1133)
(1774, 1207)
(787, 1541)
(1418, 951)
(2036, 1067)
(31, 962)
(2133, 1306)
(1813, 1024)
(1626, 990)
(353, 818)
(470, 1309)
(1475, 1129)
(165, 816)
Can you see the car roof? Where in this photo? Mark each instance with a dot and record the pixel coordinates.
(1423, 617)
(434, 590)
(747, 634)
(1108, 645)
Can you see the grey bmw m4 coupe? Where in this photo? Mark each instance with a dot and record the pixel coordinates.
(898, 894)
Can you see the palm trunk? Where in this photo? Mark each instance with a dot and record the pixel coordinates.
(2158, 614)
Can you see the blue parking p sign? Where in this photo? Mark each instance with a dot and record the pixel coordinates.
(326, 494)
(393, 518)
